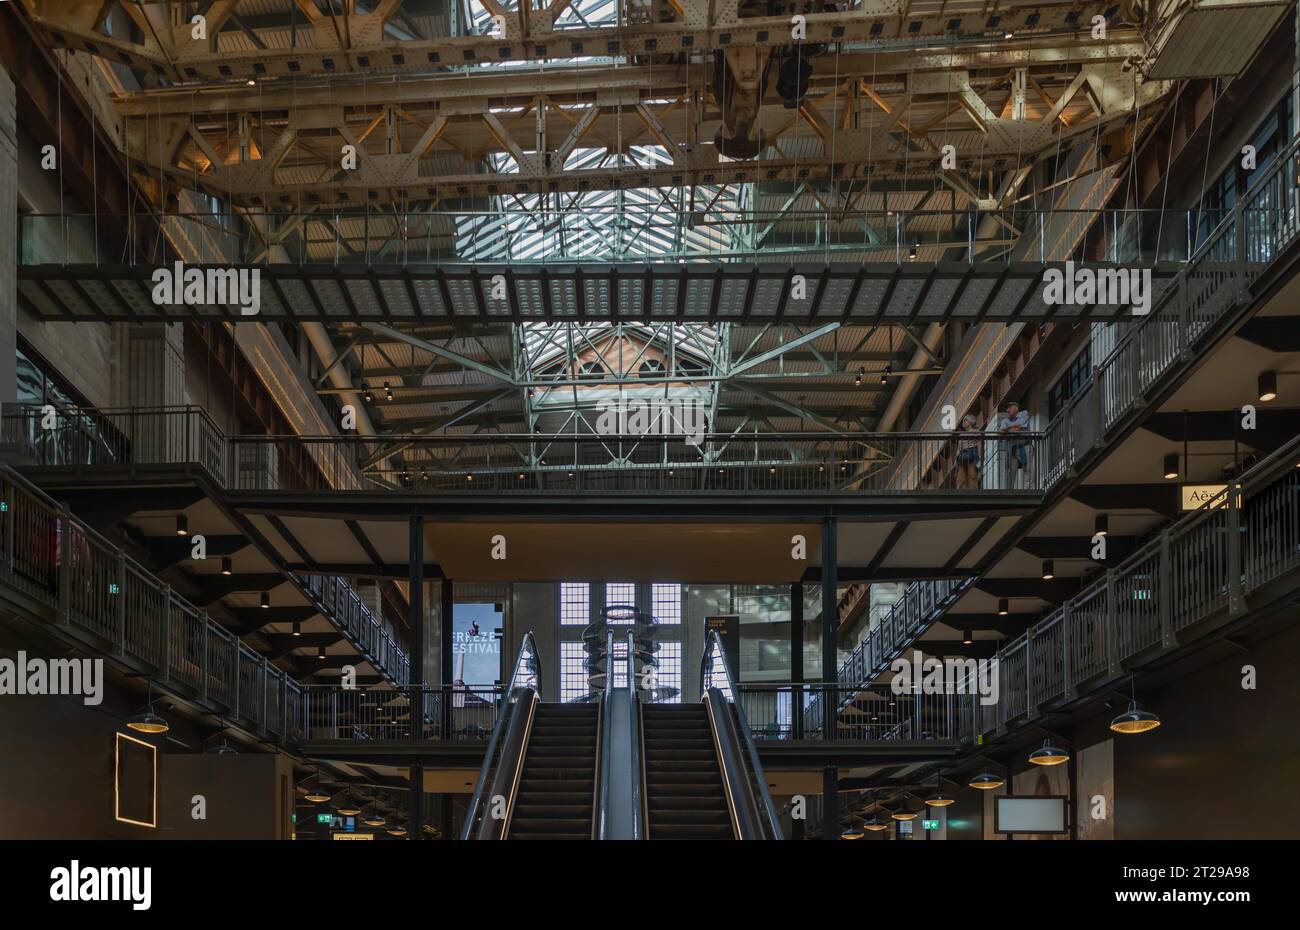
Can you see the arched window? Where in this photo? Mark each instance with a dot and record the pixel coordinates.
(651, 368)
(592, 369)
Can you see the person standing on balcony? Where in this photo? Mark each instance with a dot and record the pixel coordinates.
(968, 454)
(1016, 420)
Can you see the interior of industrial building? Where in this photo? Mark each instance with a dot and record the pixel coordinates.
(480, 420)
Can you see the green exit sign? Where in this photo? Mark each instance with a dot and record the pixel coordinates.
(324, 818)
(930, 824)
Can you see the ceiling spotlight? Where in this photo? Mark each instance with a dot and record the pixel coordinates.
(297, 628)
(388, 391)
(320, 653)
(266, 600)
(884, 375)
(1135, 720)
(531, 392)
(252, 82)
(226, 567)
(966, 638)
(1008, 34)
(1003, 607)
(1048, 754)
(1171, 466)
(1049, 570)
(223, 749)
(1267, 385)
(1101, 525)
(858, 379)
(911, 253)
(368, 397)
(986, 782)
(182, 525)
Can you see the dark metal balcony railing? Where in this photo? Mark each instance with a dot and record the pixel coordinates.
(450, 713)
(634, 233)
(875, 714)
(1245, 539)
(94, 592)
(79, 439)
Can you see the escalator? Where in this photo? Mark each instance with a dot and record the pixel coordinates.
(557, 785)
(685, 795)
(619, 768)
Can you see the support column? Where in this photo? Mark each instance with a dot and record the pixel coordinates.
(830, 803)
(8, 241)
(446, 617)
(415, 620)
(796, 678)
(830, 696)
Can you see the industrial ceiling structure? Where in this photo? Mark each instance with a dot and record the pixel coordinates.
(956, 144)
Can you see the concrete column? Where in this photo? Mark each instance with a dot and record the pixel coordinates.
(8, 242)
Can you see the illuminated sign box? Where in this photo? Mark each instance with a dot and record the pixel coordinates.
(1195, 496)
(354, 836)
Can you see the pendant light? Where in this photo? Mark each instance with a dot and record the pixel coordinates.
(853, 831)
(1048, 754)
(904, 811)
(374, 818)
(348, 808)
(938, 798)
(397, 830)
(227, 567)
(1171, 466)
(147, 721)
(315, 795)
(875, 824)
(1135, 719)
(1049, 569)
(265, 602)
(182, 525)
(986, 782)
(1101, 524)
(1004, 606)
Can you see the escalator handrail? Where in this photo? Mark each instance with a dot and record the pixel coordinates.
(505, 782)
(639, 815)
(772, 820)
(527, 649)
(600, 797)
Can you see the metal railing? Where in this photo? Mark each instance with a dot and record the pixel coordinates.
(652, 232)
(130, 438)
(921, 604)
(786, 711)
(1263, 224)
(523, 687)
(339, 602)
(716, 679)
(1203, 567)
(527, 464)
(447, 713)
(94, 592)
